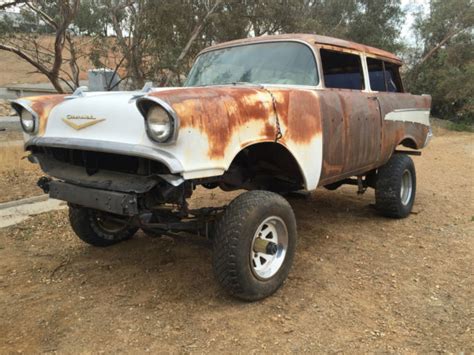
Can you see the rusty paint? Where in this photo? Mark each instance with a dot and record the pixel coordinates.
(356, 138)
(394, 132)
(43, 105)
(268, 130)
(220, 112)
(302, 117)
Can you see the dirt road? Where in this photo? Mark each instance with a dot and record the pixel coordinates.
(360, 282)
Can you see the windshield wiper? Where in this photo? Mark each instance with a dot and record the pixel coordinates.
(239, 83)
(235, 83)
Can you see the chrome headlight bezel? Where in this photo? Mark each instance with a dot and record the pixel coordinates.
(28, 121)
(159, 124)
(26, 114)
(145, 106)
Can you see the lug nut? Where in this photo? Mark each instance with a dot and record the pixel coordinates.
(265, 247)
(272, 248)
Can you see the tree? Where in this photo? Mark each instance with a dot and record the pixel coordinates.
(29, 47)
(443, 62)
(157, 40)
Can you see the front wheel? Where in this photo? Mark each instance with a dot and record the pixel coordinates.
(98, 228)
(396, 187)
(254, 245)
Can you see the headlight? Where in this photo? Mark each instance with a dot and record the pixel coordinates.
(28, 121)
(159, 124)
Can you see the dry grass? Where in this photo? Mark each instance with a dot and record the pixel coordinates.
(17, 175)
(12, 157)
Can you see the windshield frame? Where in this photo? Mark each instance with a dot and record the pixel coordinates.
(317, 85)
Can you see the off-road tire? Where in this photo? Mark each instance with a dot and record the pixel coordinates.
(233, 239)
(86, 226)
(388, 199)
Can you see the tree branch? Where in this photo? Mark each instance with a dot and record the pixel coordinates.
(43, 15)
(439, 45)
(11, 3)
(26, 57)
(197, 30)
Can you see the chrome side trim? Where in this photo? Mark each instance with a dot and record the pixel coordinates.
(410, 109)
(429, 137)
(140, 151)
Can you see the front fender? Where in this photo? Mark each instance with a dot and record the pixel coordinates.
(216, 123)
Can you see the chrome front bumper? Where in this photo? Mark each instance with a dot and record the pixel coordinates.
(156, 154)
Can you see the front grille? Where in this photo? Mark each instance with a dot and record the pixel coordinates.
(97, 161)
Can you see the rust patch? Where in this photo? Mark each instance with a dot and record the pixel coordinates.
(268, 130)
(303, 120)
(357, 138)
(220, 112)
(395, 131)
(43, 105)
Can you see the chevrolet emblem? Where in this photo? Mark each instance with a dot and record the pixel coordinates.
(83, 121)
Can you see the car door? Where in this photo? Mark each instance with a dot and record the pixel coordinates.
(386, 86)
(350, 117)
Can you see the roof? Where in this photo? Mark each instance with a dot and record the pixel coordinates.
(312, 39)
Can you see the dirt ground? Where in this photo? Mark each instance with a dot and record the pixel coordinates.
(360, 282)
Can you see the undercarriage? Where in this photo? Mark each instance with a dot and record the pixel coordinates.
(143, 193)
(110, 197)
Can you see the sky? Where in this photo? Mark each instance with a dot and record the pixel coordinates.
(410, 6)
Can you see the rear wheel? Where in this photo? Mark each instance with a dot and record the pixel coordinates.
(396, 187)
(254, 245)
(98, 228)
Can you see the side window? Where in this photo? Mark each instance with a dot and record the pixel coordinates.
(392, 76)
(384, 76)
(342, 70)
(376, 74)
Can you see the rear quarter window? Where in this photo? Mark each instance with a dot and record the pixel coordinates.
(384, 76)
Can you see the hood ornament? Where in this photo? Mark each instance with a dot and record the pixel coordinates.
(79, 122)
(79, 92)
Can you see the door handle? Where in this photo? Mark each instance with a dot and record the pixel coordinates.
(372, 97)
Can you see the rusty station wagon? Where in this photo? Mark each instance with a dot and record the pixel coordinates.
(270, 115)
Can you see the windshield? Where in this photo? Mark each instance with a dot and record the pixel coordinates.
(290, 63)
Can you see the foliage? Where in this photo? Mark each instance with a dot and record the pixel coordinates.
(443, 62)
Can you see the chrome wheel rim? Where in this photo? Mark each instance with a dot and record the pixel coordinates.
(273, 233)
(406, 187)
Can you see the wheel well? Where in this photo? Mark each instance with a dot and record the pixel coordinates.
(409, 143)
(266, 165)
